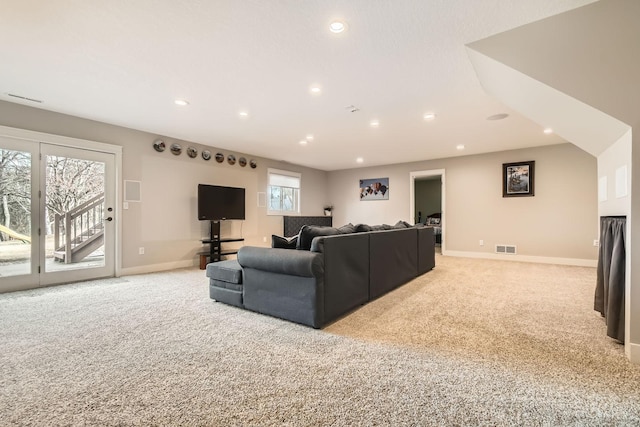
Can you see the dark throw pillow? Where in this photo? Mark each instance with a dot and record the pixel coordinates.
(381, 227)
(308, 232)
(347, 229)
(362, 228)
(280, 242)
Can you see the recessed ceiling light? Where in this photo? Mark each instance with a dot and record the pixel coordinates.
(337, 27)
(460, 147)
(359, 160)
(548, 131)
(374, 123)
(303, 142)
(429, 116)
(315, 89)
(309, 137)
(243, 114)
(498, 116)
(181, 102)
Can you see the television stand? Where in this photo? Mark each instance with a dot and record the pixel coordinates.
(215, 242)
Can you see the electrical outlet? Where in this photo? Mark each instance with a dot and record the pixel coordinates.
(141, 251)
(481, 242)
(125, 205)
(596, 242)
(264, 239)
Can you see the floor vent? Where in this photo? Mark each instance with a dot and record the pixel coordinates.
(506, 249)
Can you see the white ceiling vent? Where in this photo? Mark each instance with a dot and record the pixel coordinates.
(506, 249)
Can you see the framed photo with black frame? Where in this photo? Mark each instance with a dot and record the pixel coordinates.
(518, 179)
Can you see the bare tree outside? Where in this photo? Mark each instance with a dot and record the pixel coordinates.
(15, 192)
(69, 183)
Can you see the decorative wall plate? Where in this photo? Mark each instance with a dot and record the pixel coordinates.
(176, 149)
(159, 145)
(219, 157)
(231, 159)
(192, 152)
(206, 154)
(242, 161)
(253, 164)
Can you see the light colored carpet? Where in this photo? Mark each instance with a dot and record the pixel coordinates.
(473, 342)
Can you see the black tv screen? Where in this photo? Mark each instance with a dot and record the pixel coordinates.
(216, 203)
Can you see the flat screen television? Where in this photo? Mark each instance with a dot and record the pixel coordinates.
(217, 203)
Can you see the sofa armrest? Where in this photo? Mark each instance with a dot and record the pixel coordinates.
(285, 283)
(282, 261)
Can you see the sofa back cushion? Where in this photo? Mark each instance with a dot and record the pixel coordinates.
(308, 232)
(347, 229)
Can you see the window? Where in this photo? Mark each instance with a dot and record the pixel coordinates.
(283, 192)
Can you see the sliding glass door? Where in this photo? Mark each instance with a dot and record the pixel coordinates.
(57, 216)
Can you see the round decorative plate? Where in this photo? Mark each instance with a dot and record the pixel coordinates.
(176, 149)
(219, 157)
(192, 152)
(231, 159)
(242, 161)
(253, 164)
(159, 145)
(206, 154)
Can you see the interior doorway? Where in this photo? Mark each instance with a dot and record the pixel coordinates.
(427, 201)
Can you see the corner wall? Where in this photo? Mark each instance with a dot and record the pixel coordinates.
(165, 221)
(557, 225)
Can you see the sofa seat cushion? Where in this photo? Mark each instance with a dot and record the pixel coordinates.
(226, 285)
(228, 271)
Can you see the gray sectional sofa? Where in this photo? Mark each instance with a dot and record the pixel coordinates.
(337, 274)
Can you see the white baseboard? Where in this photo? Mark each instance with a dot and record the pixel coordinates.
(633, 352)
(524, 258)
(152, 268)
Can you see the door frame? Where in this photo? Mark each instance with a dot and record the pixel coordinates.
(83, 144)
(412, 198)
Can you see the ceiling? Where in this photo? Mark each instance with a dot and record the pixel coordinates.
(125, 62)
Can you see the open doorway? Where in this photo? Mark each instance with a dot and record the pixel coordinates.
(427, 201)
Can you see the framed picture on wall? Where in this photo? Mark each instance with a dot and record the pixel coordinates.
(374, 189)
(518, 179)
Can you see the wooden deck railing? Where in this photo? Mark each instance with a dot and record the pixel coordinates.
(79, 224)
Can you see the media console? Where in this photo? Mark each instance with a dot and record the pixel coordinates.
(215, 242)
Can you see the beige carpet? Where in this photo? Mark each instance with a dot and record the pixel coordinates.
(474, 342)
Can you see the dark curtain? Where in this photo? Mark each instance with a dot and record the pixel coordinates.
(609, 298)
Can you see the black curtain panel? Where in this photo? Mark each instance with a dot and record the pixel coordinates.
(609, 297)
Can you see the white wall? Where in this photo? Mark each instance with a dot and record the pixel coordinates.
(612, 163)
(165, 221)
(558, 224)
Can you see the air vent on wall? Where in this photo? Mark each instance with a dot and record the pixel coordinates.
(24, 98)
(506, 249)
